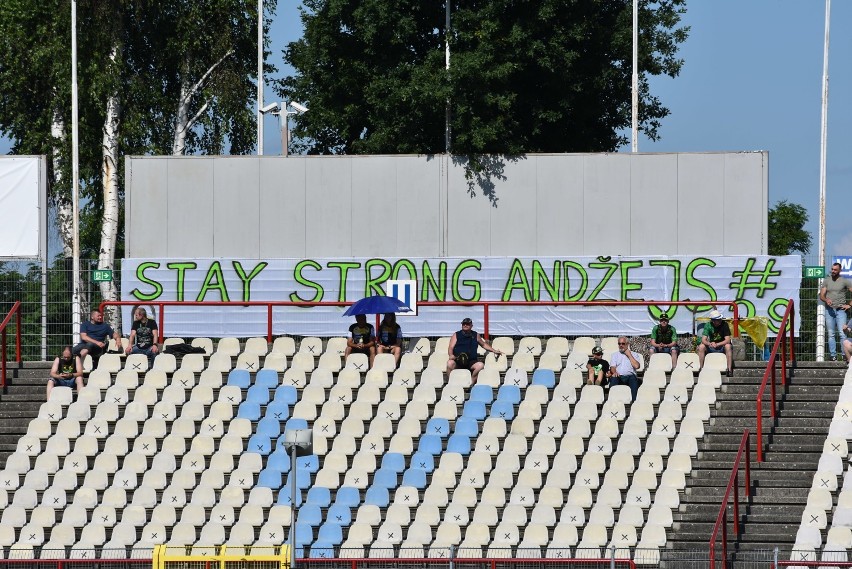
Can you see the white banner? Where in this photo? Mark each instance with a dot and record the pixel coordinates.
(19, 206)
(761, 286)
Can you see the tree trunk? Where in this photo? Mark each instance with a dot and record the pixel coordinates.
(109, 227)
(183, 123)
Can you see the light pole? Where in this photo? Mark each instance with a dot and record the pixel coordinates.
(283, 111)
(296, 441)
(260, 78)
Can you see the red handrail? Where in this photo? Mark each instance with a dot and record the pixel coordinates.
(722, 518)
(16, 310)
(780, 341)
(269, 304)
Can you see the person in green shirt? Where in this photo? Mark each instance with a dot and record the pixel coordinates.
(664, 339)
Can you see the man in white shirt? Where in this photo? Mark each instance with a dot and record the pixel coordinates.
(623, 365)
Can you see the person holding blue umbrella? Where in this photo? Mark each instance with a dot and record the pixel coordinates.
(362, 338)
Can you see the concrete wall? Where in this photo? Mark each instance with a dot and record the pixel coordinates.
(394, 206)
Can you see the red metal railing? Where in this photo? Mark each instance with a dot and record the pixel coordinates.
(780, 342)
(16, 310)
(486, 305)
(733, 485)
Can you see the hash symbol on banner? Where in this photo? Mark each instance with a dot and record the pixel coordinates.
(746, 275)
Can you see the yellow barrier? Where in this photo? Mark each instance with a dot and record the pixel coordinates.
(221, 557)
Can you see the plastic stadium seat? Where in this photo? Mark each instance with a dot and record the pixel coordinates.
(239, 378)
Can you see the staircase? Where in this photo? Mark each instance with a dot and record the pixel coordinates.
(793, 443)
(20, 401)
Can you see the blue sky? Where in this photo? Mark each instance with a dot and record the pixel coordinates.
(751, 81)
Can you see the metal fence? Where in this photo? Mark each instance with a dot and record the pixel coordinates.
(46, 298)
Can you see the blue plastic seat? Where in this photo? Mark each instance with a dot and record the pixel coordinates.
(423, 460)
(310, 515)
(278, 410)
(438, 426)
(545, 377)
(279, 460)
(250, 411)
(415, 477)
(269, 427)
(330, 532)
(321, 550)
(284, 497)
(267, 378)
(339, 514)
(503, 410)
(319, 495)
(467, 426)
(433, 444)
(474, 410)
(308, 463)
(304, 534)
(484, 393)
(258, 394)
(378, 496)
(295, 423)
(239, 377)
(303, 480)
(269, 478)
(459, 444)
(286, 394)
(386, 478)
(393, 461)
(259, 443)
(510, 393)
(348, 496)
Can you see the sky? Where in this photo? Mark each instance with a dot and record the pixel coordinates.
(752, 80)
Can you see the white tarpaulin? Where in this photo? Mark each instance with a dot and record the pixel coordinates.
(761, 286)
(20, 213)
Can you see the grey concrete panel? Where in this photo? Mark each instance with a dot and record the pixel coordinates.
(654, 205)
(190, 207)
(236, 214)
(418, 181)
(559, 204)
(746, 214)
(514, 214)
(701, 197)
(374, 208)
(607, 204)
(468, 216)
(328, 188)
(283, 228)
(145, 204)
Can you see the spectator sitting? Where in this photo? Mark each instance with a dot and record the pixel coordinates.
(716, 339)
(597, 367)
(390, 337)
(664, 339)
(362, 339)
(94, 336)
(143, 336)
(622, 367)
(67, 371)
(462, 350)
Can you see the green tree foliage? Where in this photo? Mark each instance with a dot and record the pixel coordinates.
(525, 76)
(787, 233)
(165, 45)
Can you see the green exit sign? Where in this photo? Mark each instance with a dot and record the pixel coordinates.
(101, 276)
(814, 272)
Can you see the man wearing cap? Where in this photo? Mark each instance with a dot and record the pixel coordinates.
(623, 365)
(833, 294)
(597, 367)
(716, 339)
(664, 339)
(462, 350)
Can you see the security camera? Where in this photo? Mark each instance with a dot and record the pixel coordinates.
(299, 107)
(269, 107)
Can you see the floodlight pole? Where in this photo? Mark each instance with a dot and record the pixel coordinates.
(259, 77)
(634, 84)
(293, 471)
(75, 188)
(820, 351)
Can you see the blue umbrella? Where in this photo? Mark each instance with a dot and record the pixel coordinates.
(377, 305)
